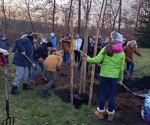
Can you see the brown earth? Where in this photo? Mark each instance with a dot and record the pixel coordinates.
(127, 106)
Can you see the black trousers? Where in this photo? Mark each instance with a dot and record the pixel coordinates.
(77, 56)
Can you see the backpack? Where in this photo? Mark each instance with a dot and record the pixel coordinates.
(2, 59)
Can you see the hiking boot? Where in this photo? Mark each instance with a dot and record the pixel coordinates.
(54, 86)
(110, 115)
(14, 90)
(32, 81)
(99, 113)
(26, 87)
(44, 93)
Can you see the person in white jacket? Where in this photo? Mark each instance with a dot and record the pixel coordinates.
(78, 43)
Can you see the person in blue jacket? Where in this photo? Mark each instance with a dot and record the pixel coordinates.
(53, 39)
(24, 47)
(4, 44)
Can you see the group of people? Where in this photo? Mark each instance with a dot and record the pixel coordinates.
(110, 53)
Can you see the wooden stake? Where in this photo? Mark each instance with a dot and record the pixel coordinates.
(72, 63)
(93, 66)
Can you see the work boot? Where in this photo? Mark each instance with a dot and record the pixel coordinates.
(54, 86)
(99, 113)
(26, 87)
(14, 90)
(110, 115)
(44, 93)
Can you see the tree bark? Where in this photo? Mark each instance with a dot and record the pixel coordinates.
(70, 11)
(72, 62)
(103, 19)
(93, 66)
(53, 22)
(114, 20)
(79, 17)
(89, 3)
(120, 14)
(4, 14)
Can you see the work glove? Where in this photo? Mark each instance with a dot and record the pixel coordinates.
(41, 60)
(33, 64)
(120, 82)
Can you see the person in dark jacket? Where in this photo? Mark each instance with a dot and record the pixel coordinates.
(39, 55)
(4, 44)
(24, 47)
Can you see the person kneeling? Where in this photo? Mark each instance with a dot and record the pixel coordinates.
(52, 63)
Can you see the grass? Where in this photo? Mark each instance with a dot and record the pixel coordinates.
(29, 108)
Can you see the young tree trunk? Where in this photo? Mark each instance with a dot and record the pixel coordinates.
(79, 17)
(53, 22)
(89, 3)
(93, 66)
(72, 62)
(120, 14)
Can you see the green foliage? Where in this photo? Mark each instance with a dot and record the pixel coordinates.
(142, 32)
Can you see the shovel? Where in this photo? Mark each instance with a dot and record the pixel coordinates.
(36, 67)
(9, 120)
(62, 74)
(133, 93)
(129, 90)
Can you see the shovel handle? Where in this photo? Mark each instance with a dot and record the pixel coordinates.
(35, 67)
(129, 90)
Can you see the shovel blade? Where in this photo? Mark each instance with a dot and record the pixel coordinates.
(9, 121)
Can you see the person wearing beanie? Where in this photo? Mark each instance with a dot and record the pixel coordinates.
(39, 55)
(53, 39)
(129, 50)
(24, 47)
(52, 63)
(111, 74)
(4, 44)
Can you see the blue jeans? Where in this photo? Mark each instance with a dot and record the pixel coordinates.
(67, 57)
(112, 82)
(51, 52)
(130, 67)
(37, 63)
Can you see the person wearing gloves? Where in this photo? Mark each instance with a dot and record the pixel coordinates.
(52, 63)
(4, 52)
(25, 48)
(129, 50)
(111, 73)
(78, 43)
(4, 44)
(53, 39)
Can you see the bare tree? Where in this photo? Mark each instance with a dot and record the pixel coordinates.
(120, 13)
(27, 10)
(103, 19)
(79, 17)
(4, 15)
(54, 11)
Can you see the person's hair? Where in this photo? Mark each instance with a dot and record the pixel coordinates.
(34, 35)
(108, 50)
